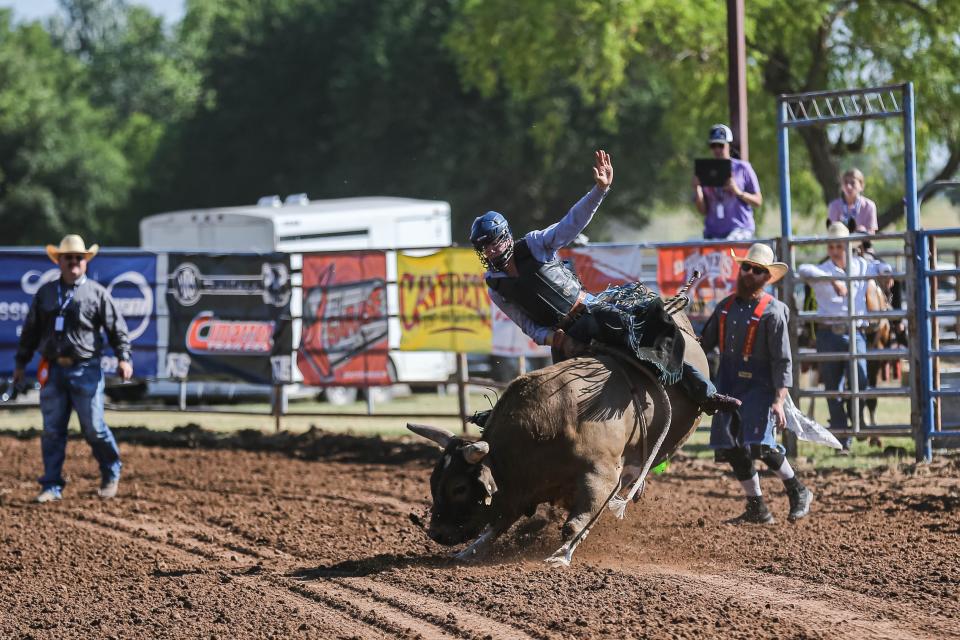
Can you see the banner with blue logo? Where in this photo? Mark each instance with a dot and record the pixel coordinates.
(129, 276)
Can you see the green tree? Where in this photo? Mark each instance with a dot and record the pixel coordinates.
(60, 166)
(792, 47)
(347, 98)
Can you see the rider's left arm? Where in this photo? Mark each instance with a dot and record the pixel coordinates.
(544, 243)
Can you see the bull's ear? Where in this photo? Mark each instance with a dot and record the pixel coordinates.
(476, 451)
(441, 436)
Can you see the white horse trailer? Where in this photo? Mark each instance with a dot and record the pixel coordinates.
(297, 226)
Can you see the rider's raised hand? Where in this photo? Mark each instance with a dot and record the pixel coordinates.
(602, 169)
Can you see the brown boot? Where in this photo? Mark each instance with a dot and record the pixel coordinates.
(720, 402)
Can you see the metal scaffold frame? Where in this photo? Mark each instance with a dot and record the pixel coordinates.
(821, 108)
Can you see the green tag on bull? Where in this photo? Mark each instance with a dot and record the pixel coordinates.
(660, 468)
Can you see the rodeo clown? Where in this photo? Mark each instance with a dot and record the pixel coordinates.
(750, 328)
(539, 293)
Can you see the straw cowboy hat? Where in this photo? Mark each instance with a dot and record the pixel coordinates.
(838, 230)
(762, 256)
(72, 243)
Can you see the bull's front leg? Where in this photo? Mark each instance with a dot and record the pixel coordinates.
(479, 547)
(594, 490)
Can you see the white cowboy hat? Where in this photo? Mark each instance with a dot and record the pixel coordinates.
(72, 243)
(761, 255)
(838, 230)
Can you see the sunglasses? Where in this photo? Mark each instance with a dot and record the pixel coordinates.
(747, 268)
(716, 145)
(73, 257)
(834, 247)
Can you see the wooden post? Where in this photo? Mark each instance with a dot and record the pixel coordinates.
(462, 389)
(737, 76)
(522, 364)
(183, 394)
(278, 408)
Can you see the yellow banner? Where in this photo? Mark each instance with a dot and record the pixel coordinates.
(443, 302)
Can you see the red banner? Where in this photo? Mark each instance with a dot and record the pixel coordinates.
(718, 274)
(599, 267)
(344, 339)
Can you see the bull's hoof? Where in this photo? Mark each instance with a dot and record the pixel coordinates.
(467, 555)
(562, 557)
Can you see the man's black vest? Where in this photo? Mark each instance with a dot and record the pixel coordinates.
(546, 291)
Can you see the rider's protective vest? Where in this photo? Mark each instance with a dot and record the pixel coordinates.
(546, 291)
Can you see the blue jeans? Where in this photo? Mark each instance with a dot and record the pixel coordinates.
(78, 387)
(696, 385)
(835, 372)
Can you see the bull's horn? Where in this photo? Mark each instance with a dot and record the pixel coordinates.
(441, 436)
(476, 451)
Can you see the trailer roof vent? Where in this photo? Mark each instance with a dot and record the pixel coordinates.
(297, 199)
(269, 201)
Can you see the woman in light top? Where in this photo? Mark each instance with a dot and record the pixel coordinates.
(852, 208)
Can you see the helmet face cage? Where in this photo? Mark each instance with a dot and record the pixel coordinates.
(503, 244)
(492, 231)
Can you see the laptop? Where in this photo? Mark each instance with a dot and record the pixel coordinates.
(712, 172)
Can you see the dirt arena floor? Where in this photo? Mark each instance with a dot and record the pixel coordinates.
(315, 540)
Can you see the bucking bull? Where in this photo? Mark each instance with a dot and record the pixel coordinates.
(570, 434)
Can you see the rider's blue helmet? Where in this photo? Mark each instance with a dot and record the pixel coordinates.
(491, 229)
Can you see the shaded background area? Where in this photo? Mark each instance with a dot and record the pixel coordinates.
(486, 105)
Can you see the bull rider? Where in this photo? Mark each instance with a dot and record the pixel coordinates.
(750, 328)
(536, 290)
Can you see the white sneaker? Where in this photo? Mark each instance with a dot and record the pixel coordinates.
(108, 488)
(49, 494)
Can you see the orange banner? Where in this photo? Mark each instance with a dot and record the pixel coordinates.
(718, 272)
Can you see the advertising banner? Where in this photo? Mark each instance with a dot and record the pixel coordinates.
(718, 269)
(599, 267)
(229, 318)
(344, 339)
(443, 302)
(131, 279)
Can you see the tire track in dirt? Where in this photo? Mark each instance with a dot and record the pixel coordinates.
(380, 606)
(394, 505)
(840, 612)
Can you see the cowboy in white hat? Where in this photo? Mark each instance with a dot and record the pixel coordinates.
(832, 300)
(751, 330)
(65, 324)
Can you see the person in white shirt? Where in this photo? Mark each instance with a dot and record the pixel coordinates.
(832, 298)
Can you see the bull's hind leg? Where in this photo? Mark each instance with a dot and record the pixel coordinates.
(591, 497)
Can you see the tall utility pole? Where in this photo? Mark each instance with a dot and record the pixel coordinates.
(737, 76)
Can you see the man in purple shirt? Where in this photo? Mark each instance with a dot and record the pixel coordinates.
(728, 209)
(537, 291)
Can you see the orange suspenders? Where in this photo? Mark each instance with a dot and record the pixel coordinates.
(752, 325)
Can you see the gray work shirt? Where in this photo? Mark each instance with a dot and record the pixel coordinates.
(772, 342)
(89, 313)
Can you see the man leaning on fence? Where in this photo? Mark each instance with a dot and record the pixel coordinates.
(65, 324)
(833, 336)
(750, 328)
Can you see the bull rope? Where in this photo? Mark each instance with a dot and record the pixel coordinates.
(617, 504)
(618, 357)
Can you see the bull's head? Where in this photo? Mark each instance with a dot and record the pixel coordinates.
(462, 486)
